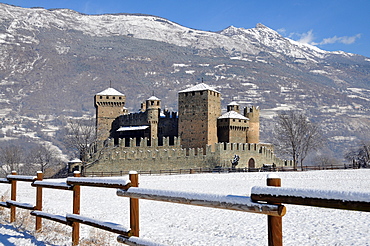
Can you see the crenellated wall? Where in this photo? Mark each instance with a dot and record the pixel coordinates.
(173, 156)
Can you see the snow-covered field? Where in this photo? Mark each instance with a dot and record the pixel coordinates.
(176, 224)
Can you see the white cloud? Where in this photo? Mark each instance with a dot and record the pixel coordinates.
(282, 31)
(309, 37)
(343, 40)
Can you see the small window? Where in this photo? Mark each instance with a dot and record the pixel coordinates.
(120, 98)
(101, 97)
(107, 97)
(114, 97)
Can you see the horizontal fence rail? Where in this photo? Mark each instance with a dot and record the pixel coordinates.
(108, 226)
(238, 203)
(267, 200)
(107, 183)
(359, 201)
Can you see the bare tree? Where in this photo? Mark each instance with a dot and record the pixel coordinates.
(297, 136)
(81, 137)
(43, 156)
(325, 161)
(11, 157)
(359, 156)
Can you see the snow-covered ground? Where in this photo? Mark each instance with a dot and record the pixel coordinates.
(176, 224)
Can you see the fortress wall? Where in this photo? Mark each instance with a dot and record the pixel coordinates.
(259, 152)
(146, 158)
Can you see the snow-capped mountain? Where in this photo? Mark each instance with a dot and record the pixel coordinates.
(52, 62)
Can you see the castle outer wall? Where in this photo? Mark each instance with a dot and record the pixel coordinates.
(145, 158)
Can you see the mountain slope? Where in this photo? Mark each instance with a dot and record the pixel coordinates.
(53, 61)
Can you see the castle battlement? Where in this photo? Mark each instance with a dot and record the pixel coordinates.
(166, 156)
(144, 142)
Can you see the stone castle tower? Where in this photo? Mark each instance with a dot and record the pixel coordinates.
(232, 127)
(109, 104)
(153, 107)
(253, 114)
(199, 108)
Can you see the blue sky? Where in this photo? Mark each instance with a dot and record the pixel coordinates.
(328, 24)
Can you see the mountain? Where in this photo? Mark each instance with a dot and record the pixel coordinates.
(53, 62)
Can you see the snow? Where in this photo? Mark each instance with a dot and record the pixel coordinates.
(232, 115)
(153, 98)
(55, 185)
(177, 224)
(240, 203)
(20, 204)
(110, 225)
(54, 217)
(272, 176)
(313, 193)
(233, 104)
(21, 178)
(98, 181)
(4, 180)
(137, 241)
(199, 87)
(132, 128)
(110, 92)
(153, 28)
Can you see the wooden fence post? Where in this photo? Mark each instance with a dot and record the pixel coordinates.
(76, 210)
(274, 223)
(13, 197)
(39, 202)
(134, 206)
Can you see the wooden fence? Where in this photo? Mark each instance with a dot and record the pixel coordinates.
(218, 170)
(264, 200)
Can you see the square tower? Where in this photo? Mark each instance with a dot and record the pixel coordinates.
(232, 128)
(109, 105)
(199, 108)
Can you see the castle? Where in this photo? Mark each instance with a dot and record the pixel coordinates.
(197, 136)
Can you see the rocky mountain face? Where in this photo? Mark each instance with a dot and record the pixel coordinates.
(52, 63)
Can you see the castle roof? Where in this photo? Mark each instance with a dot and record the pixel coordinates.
(75, 160)
(110, 92)
(153, 98)
(232, 115)
(132, 128)
(199, 87)
(233, 103)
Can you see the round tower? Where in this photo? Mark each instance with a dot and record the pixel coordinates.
(253, 133)
(233, 106)
(153, 109)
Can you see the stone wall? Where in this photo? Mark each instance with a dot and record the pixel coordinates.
(166, 156)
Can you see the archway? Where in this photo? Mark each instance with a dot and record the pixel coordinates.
(251, 163)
